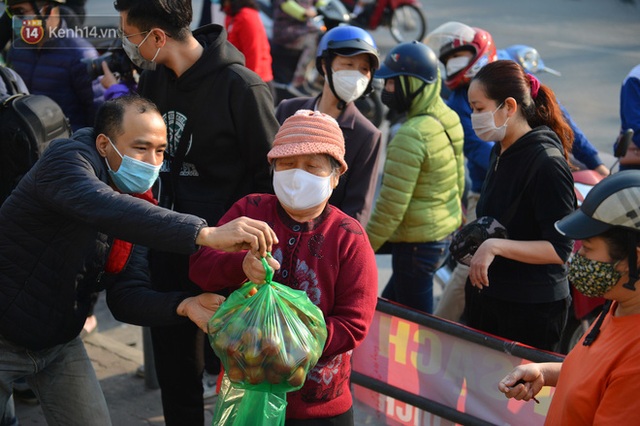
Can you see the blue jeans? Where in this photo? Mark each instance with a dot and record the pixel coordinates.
(63, 379)
(413, 267)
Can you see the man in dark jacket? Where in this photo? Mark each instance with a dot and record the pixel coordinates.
(65, 233)
(221, 124)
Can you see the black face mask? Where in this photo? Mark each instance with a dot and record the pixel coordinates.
(389, 99)
(397, 101)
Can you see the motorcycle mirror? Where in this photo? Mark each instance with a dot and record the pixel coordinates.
(622, 144)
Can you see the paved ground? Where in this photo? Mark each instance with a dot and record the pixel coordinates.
(131, 403)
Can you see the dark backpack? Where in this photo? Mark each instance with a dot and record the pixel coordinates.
(28, 123)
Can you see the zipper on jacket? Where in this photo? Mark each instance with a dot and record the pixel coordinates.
(497, 162)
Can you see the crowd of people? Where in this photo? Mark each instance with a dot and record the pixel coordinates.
(171, 191)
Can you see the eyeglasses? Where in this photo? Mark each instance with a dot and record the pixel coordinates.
(121, 33)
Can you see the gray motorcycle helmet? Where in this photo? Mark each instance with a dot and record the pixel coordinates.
(615, 201)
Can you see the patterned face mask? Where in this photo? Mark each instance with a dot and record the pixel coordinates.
(591, 277)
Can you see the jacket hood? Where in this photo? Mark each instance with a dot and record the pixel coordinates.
(217, 54)
(541, 135)
(427, 98)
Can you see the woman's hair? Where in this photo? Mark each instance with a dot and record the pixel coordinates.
(172, 16)
(506, 79)
(617, 239)
(236, 5)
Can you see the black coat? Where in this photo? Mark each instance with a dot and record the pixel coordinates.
(538, 198)
(56, 230)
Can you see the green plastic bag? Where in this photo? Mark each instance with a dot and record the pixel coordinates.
(237, 406)
(267, 336)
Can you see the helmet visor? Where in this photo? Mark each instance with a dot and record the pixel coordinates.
(347, 48)
(448, 37)
(579, 226)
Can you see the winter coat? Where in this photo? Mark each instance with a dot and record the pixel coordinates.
(423, 178)
(56, 229)
(246, 32)
(57, 71)
(538, 198)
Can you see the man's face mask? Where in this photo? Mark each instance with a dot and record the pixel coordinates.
(591, 277)
(133, 176)
(133, 51)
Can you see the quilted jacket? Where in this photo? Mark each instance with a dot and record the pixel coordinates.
(57, 71)
(56, 229)
(423, 176)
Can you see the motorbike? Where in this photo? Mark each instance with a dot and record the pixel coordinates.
(404, 18)
(331, 13)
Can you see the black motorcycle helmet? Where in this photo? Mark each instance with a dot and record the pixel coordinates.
(346, 40)
(409, 59)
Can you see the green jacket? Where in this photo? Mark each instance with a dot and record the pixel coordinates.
(423, 180)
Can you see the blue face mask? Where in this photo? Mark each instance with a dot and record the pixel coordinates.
(133, 176)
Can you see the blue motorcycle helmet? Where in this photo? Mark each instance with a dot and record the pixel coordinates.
(346, 40)
(528, 58)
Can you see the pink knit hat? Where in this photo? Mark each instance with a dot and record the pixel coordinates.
(309, 132)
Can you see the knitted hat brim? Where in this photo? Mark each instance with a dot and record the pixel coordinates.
(293, 149)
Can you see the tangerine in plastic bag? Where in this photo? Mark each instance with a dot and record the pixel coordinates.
(268, 336)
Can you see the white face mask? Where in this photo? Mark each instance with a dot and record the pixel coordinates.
(349, 84)
(456, 64)
(301, 190)
(484, 125)
(133, 52)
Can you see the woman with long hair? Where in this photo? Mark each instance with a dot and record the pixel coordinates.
(517, 286)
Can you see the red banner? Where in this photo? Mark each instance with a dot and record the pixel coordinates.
(441, 367)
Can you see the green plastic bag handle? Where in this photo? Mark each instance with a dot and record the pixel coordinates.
(268, 269)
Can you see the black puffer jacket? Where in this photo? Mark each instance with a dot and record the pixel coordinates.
(56, 230)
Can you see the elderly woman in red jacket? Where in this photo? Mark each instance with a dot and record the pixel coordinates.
(321, 250)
